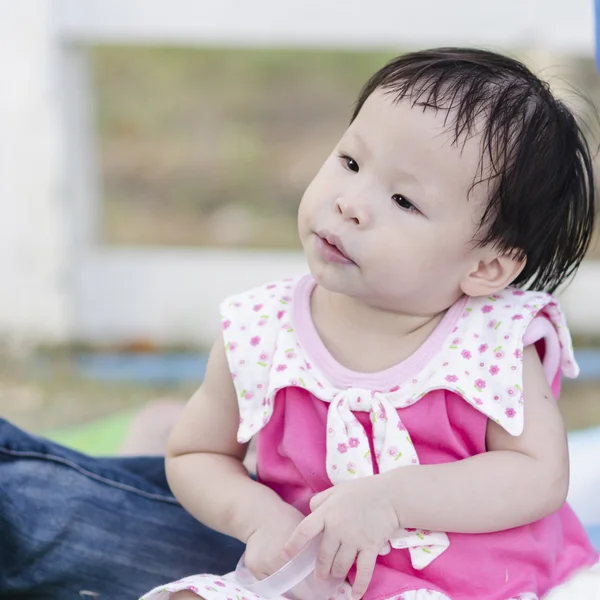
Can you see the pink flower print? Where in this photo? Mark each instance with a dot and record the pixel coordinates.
(255, 341)
(445, 364)
(280, 314)
(479, 384)
(353, 442)
(193, 588)
(492, 324)
(483, 348)
(466, 354)
(510, 412)
(280, 368)
(330, 430)
(401, 426)
(351, 468)
(243, 328)
(467, 373)
(488, 308)
(518, 293)
(510, 392)
(286, 299)
(451, 378)
(263, 356)
(393, 451)
(308, 366)
(499, 354)
(262, 323)
(494, 370)
(482, 365)
(259, 386)
(478, 401)
(394, 389)
(496, 398)
(237, 304)
(518, 353)
(232, 346)
(257, 307)
(242, 362)
(293, 382)
(455, 330)
(219, 583)
(271, 286)
(382, 414)
(248, 395)
(456, 341)
(291, 355)
(226, 324)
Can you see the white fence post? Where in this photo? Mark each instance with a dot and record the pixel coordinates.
(33, 298)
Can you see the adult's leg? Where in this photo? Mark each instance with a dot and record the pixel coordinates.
(72, 526)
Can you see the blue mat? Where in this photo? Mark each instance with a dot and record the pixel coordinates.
(594, 533)
(146, 368)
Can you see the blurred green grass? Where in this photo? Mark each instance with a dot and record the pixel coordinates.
(215, 147)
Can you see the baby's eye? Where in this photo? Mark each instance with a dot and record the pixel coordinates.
(350, 163)
(404, 203)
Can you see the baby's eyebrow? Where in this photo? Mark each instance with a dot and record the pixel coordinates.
(354, 136)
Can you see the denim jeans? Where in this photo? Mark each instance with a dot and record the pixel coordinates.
(73, 526)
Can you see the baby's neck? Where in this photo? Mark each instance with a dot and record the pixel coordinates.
(365, 338)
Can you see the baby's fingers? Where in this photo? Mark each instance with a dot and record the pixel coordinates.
(344, 559)
(309, 528)
(365, 565)
(328, 549)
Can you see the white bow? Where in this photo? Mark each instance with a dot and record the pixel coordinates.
(349, 456)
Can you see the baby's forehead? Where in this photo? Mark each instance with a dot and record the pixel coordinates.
(403, 135)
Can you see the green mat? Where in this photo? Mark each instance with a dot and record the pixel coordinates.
(98, 438)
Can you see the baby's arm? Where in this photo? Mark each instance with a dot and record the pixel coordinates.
(204, 459)
(517, 481)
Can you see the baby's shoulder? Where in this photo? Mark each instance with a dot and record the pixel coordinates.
(508, 314)
(258, 315)
(275, 297)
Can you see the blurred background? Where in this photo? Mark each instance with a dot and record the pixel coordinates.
(152, 157)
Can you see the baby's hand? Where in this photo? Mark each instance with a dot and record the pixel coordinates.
(264, 548)
(357, 519)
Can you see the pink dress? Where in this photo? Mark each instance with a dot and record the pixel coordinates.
(318, 423)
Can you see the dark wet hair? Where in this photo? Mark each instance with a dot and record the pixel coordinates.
(542, 198)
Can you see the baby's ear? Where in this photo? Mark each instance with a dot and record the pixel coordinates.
(492, 273)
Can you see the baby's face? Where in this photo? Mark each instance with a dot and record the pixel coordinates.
(389, 219)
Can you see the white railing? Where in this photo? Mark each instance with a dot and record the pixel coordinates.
(58, 282)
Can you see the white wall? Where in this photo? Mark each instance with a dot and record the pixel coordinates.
(32, 218)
